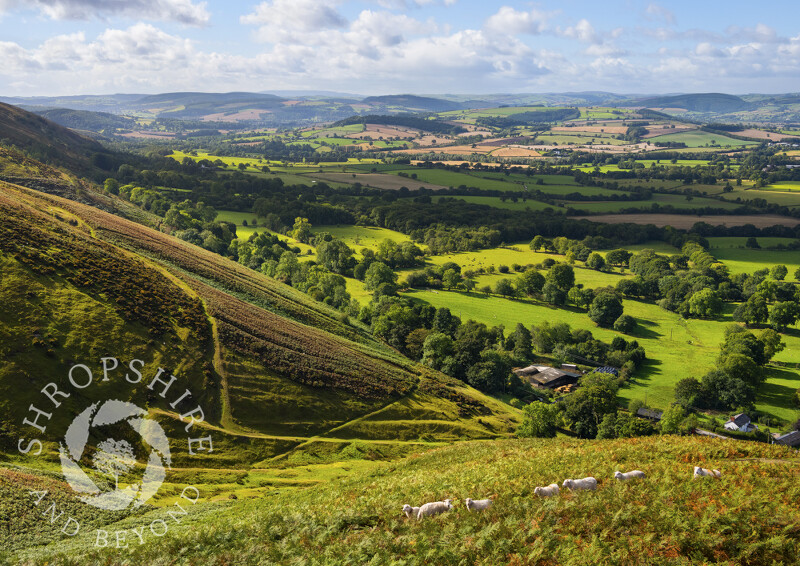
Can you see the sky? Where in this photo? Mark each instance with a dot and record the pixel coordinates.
(71, 47)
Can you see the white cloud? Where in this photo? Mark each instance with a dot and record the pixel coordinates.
(582, 31)
(287, 20)
(656, 12)
(604, 50)
(183, 11)
(509, 21)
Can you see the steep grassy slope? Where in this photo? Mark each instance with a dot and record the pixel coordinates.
(747, 517)
(272, 368)
(47, 141)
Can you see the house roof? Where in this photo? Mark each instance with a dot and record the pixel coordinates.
(649, 413)
(606, 369)
(544, 375)
(740, 420)
(790, 439)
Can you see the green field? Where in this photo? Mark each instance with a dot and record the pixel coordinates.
(698, 138)
(743, 260)
(360, 237)
(675, 201)
(455, 179)
(508, 204)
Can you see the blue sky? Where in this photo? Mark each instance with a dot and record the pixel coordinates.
(61, 47)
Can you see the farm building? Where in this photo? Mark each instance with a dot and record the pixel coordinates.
(650, 414)
(546, 376)
(789, 439)
(606, 369)
(741, 423)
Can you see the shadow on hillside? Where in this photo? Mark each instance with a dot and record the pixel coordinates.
(645, 375)
(642, 330)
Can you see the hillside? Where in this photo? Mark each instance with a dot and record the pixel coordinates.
(86, 120)
(244, 340)
(747, 517)
(51, 143)
(412, 102)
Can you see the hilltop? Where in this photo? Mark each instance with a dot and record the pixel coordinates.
(747, 517)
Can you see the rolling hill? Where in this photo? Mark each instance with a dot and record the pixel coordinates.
(412, 102)
(706, 103)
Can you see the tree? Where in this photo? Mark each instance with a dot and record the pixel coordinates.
(605, 309)
(784, 314)
(415, 342)
(688, 392)
(608, 427)
(797, 274)
(451, 278)
(436, 349)
(705, 303)
(335, 255)
(561, 275)
(301, 231)
(538, 421)
(522, 343)
(111, 186)
(530, 282)
(778, 272)
(625, 324)
(445, 322)
(754, 311)
(595, 261)
(579, 297)
(618, 257)
(377, 274)
(554, 294)
(537, 243)
(671, 419)
(489, 374)
(752, 243)
(505, 288)
(595, 398)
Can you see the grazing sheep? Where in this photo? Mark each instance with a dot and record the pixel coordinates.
(434, 508)
(548, 491)
(629, 475)
(410, 511)
(704, 472)
(478, 504)
(585, 483)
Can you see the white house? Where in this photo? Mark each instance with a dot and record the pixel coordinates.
(741, 423)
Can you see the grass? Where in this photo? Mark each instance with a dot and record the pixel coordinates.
(508, 204)
(663, 200)
(456, 179)
(747, 517)
(360, 237)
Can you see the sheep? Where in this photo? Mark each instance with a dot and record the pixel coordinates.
(548, 491)
(704, 472)
(585, 483)
(434, 508)
(478, 504)
(629, 475)
(410, 511)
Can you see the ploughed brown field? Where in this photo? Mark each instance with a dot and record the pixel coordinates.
(688, 220)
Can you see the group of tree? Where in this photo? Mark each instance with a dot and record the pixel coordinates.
(739, 372)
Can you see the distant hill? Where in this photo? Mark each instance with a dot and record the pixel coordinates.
(412, 102)
(52, 143)
(711, 102)
(86, 120)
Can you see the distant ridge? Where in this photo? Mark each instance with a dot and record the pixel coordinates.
(413, 102)
(707, 102)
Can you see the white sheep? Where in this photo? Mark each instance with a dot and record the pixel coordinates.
(548, 491)
(629, 475)
(478, 504)
(434, 508)
(585, 483)
(704, 472)
(410, 511)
